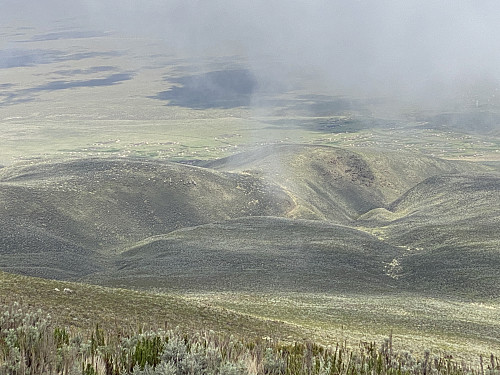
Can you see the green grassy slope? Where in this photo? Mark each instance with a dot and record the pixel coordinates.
(127, 310)
(85, 208)
(261, 254)
(447, 328)
(449, 225)
(417, 320)
(337, 184)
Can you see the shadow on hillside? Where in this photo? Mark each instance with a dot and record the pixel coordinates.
(28, 95)
(473, 122)
(217, 89)
(67, 35)
(17, 57)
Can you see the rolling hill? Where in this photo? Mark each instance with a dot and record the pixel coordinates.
(335, 184)
(61, 219)
(262, 254)
(287, 217)
(449, 225)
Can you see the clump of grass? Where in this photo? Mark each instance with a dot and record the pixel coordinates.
(31, 344)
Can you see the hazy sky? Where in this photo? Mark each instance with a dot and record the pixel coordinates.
(369, 47)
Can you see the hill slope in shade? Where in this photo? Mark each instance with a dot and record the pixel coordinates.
(262, 254)
(450, 226)
(88, 207)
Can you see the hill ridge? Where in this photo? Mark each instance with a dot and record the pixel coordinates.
(323, 217)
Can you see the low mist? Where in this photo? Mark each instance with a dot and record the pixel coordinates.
(417, 51)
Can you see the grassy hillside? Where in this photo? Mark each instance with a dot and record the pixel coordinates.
(60, 219)
(449, 226)
(262, 254)
(126, 310)
(239, 223)
(418, 323)
(337, 184)
(32, 343)
(334, 243)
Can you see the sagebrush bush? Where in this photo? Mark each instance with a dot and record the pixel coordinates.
(31, 344)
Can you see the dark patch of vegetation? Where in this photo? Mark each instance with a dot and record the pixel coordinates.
(474, 122)
(218, 89)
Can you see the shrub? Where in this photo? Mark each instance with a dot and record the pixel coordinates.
(31, 344)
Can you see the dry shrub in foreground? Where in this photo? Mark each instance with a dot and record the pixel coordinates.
(31, 344)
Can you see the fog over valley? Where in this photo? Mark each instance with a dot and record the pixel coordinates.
(423, 51)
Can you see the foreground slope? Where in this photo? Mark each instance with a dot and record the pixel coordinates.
(89, 327)
(85, 305)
